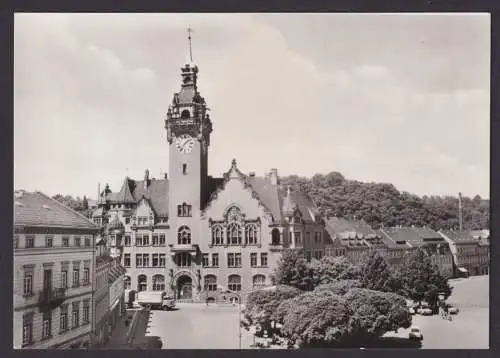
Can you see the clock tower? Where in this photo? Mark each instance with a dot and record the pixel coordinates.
(188, 133)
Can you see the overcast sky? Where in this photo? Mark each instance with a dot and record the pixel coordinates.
(387, 98)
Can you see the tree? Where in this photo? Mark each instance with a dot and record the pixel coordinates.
(316, 318)
(376, 274)
(422, 280)
(338, 287)
(375, 313)
(330, 269)
(262, 307)
(292, 270)
(323, 318)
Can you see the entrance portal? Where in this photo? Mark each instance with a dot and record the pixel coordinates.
(184, 287)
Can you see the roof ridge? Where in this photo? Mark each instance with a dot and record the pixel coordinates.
(67, 208)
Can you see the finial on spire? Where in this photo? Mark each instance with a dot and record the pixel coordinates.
(233, 163)
(189, 31)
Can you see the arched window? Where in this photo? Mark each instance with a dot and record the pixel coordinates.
(275, 237)
(158, 283)
(142, 283)
(185, 114)
(217, 235)
(234, 234)
(184, 235)
(233, 214)
(210, 283)
(234, 283)
(259, 281)
(251, 234)
(127, 283)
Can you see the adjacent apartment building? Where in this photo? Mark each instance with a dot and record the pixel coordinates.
(195, 235)
(108, 294)
(471, 251)
(53, 266)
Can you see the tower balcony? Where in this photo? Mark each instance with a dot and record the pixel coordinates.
(51, 298)
(177, 248)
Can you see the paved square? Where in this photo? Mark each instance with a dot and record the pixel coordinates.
(469, 328)
(196, 326)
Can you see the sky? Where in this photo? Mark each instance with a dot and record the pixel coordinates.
(394, 98)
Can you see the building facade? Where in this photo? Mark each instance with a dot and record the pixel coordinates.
(53, 266)
(196, 236)
(470, 251)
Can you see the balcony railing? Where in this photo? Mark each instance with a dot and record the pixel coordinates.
(50, 298)
(275, 248)
(183, 247)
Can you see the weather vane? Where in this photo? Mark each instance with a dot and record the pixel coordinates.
(189, 31)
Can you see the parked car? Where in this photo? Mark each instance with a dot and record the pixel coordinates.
(425, 311)
(452, 310)
(415, 334)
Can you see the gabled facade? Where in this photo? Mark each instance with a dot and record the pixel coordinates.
(196, 236)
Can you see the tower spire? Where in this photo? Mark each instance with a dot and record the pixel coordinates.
(189, 31)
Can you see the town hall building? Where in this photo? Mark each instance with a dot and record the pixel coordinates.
(196, 236)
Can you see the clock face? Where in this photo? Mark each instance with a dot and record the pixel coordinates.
(184, 143)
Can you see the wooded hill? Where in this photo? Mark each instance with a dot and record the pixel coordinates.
(382, 204)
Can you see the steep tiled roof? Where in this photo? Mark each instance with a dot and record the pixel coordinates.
(461, 237)
(337, 226)
(37, 209)
(125, 196)
(156, 193)
(404, 234)
(413, 235)
(389, 242)
(268, 195)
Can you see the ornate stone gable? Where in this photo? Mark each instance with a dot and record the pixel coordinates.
(235, 174)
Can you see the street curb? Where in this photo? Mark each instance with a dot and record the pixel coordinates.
(133, 325)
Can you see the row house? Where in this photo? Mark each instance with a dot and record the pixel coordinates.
(109, 291)
(470, 249)
(54, 250)
(410, 238)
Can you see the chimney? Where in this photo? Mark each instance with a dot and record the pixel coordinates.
(273, 175)
(460, 213)
(251, 174)
(166, 176)
(146, 179)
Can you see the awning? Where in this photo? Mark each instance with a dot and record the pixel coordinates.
(462, 269)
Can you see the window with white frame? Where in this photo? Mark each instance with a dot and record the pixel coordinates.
(86, 312)
(215, 260)
(217, 235)
(210, 283)
(27, 329)
(234, 283)
(251, 234)
(263, 259)
(158, 283)
(234, 234)
(63, 319)
(127, 283)
(253, 259)
(162, 240)
(28, 283)
(204, 260)
(75, 314)
(184, 235)
(259, 281)
(126, 260)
